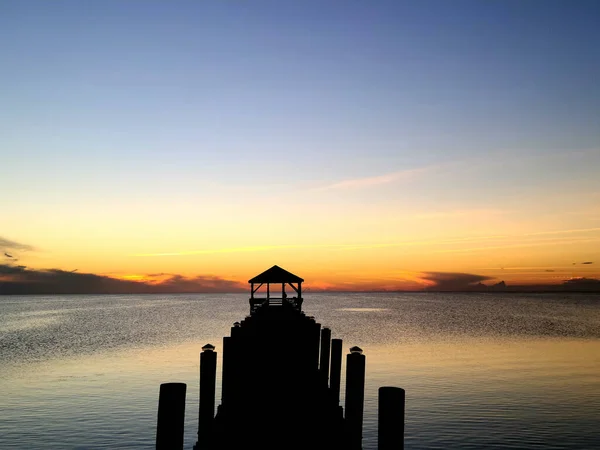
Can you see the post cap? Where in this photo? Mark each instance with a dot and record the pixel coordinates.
(356, 350)
(208, 348)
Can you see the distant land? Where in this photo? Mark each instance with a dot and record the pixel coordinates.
(571, 285)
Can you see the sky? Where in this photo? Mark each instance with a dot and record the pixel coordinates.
(360, 145)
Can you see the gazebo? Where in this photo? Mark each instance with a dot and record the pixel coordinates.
(276, 275)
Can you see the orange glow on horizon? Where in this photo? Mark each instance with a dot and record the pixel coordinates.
(375, 250)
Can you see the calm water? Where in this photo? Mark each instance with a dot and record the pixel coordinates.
(480, 371)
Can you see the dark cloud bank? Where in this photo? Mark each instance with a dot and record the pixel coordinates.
(21, 280)
(15, 279)
(468, 282)
(452, 281)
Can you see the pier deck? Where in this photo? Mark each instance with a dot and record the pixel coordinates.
(280, 385)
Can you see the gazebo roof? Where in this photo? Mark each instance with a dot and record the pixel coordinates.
(276, 275)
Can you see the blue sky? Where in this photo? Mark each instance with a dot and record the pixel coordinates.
(112, 103)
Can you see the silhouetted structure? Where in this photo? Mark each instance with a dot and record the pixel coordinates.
(276, 275)
(281, 383)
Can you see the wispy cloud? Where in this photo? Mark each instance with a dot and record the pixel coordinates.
(521, 245)
(460, 213)
(258, 248)
(264, 248)
(525, 268)
(377, 180)
(501, 238)
(536, 239)
(574, 230)
(7, 244)
(503, 241)
(499, 157)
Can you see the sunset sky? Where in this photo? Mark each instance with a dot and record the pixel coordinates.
(360, 145)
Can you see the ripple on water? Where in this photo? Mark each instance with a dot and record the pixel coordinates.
(363, 309)
(480, 371)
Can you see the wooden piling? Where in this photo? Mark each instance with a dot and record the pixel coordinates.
(325, 352)
(315, 345)
(171, 416)
(390, 431)
(235, 365)
(226, 370)
(355, 396)
(208, 376)
(336, 370)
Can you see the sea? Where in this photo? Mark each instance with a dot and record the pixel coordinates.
(480, 370)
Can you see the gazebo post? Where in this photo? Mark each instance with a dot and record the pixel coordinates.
(251, 291)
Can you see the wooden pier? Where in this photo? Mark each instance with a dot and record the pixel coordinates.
(281, 373)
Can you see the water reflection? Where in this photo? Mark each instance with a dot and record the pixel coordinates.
(90, 378)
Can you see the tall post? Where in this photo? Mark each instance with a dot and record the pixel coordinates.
(226, 370)
(171, 416)
(336, 369)
(315, 338)
(208, 376)
(268, 293)
(355, 396)
(324, 359)
(390, 430)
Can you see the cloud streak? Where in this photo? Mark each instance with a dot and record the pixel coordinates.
(377, 180)
(527, 240)
(226, 250)
(7, 245)
(574, 230)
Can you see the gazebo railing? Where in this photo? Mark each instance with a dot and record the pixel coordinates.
(256, 303)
